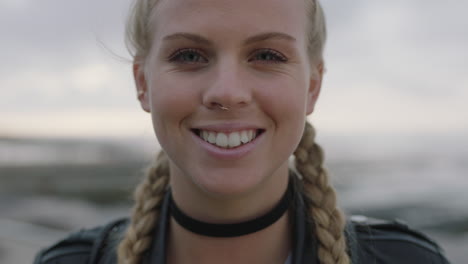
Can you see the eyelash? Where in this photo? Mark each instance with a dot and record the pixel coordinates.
(177, 56)
(273, 56)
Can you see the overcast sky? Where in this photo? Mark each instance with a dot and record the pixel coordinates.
(393, 66)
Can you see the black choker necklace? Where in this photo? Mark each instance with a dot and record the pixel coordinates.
(232, 230)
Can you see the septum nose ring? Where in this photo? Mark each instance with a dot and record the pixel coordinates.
(222, 107)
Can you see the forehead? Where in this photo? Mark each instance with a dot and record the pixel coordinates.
(234, 18)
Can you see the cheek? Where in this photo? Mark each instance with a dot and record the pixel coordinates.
(171, 102)
(285, 104)
(284, 99)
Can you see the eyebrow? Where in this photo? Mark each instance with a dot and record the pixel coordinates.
(268, 36)
(257, 38)
(189, 36)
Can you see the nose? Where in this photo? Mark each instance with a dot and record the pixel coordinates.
(228, 89)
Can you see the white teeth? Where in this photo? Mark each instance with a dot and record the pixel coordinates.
(251, 134)
(231, 140)
(234, 139)
(222, 140)
(212, 137)
(205, 135)
(244, 138)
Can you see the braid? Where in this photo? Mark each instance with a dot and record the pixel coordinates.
(321, 202)
(148, 198)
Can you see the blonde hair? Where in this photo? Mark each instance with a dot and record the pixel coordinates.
(319, 195)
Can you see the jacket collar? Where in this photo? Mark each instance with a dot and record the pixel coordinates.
(304, 244)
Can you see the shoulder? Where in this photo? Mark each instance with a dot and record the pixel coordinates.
(380, 241)
(80, 247)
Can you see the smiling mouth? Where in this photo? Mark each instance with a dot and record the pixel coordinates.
(228, 140)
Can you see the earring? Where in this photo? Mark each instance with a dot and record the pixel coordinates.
(140, 94)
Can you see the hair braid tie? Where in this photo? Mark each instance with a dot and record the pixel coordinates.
(321, 201)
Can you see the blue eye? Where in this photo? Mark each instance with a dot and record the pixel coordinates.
(268, 56)
(188, 56)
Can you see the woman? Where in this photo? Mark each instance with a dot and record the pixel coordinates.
(229, 85)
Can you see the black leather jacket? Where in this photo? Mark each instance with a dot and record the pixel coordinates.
(369, 241)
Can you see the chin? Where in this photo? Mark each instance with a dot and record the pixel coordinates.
(228, 182)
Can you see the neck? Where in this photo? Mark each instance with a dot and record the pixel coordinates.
(223, 208)
(270, 245)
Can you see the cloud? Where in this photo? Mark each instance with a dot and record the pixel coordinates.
(396, 66)
(55, 59)
(413, 46)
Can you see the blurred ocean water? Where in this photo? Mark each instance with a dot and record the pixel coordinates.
(51, 187)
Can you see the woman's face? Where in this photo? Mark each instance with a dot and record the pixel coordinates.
(248, 56)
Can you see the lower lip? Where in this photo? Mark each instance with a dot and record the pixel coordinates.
(228, 153)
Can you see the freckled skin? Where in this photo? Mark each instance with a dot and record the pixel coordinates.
(275, 95)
